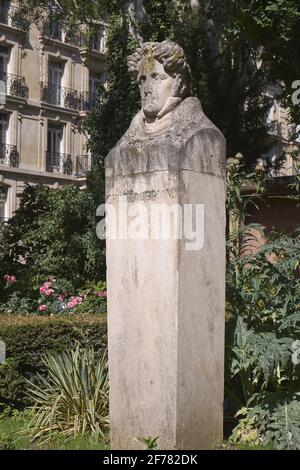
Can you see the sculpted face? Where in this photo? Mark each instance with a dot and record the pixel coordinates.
(155, 86)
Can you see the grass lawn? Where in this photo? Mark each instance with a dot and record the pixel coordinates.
(13, 437)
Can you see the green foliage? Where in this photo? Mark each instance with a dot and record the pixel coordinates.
(275, 418)
(263, 325)
(69, 13)
(119, 104)
(237, 177)
(246, 432)
(149, 442)
(273, 25)
(17, 303)
(52, 234)
(222, 41)
(263, 300)
(224, 69)
(14, 435)
(27, 339)
(94, 296)
(73, 398)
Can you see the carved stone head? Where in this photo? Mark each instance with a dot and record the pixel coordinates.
(163, 75)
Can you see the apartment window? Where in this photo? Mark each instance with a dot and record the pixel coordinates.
(95, 80)
(55, 139)
(4, 205)
(4, 58)
(8, 153)
(55, 73)
(57, 161)
(98, 41)
(55, 76)
(54, 157)
(4, 9)
(3, 129)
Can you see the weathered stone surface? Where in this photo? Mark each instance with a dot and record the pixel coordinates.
(166, 302)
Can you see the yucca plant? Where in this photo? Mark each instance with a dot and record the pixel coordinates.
(73, 398)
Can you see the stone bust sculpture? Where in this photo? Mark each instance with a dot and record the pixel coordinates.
(169, 119)
(162, 73)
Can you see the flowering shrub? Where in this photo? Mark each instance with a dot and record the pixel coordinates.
(56, 298)
(10, 279)
(74, 301)
(94, 296)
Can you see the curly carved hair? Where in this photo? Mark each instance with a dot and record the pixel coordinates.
(170, 55)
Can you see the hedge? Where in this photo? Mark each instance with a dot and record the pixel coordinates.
(28, 338)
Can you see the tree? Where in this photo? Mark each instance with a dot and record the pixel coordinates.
(226, 77)
(274, 27)
(53, 233)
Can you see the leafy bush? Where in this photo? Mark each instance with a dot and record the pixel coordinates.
(52, 234)
(263, 326)
(27, 339)
(274, 420)
(264, 320)
(73, 398)
(94, 296)
(58, 297)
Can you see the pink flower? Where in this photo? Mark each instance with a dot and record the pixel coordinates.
(10, 279)
(46, 290)
(42, 308)
(101, 293)
(74, 301)
(60, 298)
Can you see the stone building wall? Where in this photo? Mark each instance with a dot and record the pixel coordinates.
(31, 108)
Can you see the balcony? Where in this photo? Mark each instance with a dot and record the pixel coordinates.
(59, 163)
(68, 98)
(83, 165)
(89, 100)
(93, 41)
(14, 85)
(9, 155)
(60, 96)
(11, 15)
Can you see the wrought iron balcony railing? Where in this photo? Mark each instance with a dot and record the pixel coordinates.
(59, 163)
(60, 96)
(14, 85)
(89, 100)
(68, 97)
(9, 155)
(12, 15)
(83, 165)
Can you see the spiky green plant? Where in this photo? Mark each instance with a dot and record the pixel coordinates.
(73, 399)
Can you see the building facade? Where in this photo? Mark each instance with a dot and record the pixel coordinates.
(279, 209)
(48, 85)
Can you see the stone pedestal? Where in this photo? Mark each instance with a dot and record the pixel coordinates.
(166, 296)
